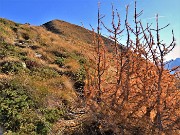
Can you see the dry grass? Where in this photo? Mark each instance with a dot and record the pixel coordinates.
(4, 76)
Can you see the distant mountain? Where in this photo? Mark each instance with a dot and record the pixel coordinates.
(172, 64)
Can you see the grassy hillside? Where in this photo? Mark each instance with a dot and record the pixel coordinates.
(54, 80)
(41, 77)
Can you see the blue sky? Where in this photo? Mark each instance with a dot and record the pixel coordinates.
(37, 12)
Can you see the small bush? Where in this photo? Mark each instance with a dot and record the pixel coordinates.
(7, 50)
(25, 36)
(53, 115)
(15, 29)
(17, 111)
(79, 86)
(23, 56)
(82, 61)
(11, 67)
(81, 74)
(59, 54)
(3, 53)
(8, 47)
(31, 64)
(60, 61)
(44, 72)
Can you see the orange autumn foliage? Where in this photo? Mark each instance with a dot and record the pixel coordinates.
(128, 88)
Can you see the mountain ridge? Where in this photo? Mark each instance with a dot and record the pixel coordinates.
(172, 65)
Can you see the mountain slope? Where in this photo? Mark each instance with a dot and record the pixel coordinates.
(43, 69)
(55, 80)
(41, 73)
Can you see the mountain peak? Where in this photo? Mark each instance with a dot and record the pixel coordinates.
(172, 64)
(72, 31)
(67, 29)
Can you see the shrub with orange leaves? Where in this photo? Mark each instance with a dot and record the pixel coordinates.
(128, 90)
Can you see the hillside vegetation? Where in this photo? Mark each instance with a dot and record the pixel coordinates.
(60, 78)
(41, 77)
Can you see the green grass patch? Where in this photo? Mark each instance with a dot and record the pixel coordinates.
(17, 111)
